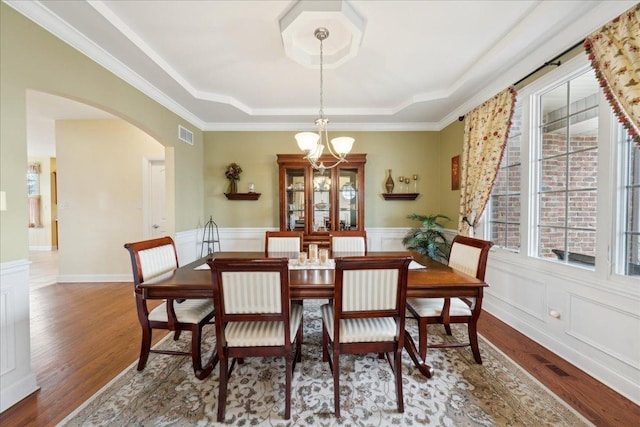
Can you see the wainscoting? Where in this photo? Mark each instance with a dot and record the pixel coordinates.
(592, 322)
(16, 378)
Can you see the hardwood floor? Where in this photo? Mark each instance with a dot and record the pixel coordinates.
(83, 335)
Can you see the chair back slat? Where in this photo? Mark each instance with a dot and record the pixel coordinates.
(152, 259)
(348, 243)
(370, 286)
(280, 242)
(155, 262)
(283, 244)
(251, 292)
(469, 255)
(464, 258)
(365, 290)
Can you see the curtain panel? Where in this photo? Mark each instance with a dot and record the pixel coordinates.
(34, 212)
(614, 52)
(485, 135)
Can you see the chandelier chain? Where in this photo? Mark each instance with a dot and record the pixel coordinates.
(314, 144)
(321, 79)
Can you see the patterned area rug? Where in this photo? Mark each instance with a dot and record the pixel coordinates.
(461, 393)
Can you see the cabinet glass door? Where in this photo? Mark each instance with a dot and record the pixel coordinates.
(295, 202)
(348, 200)
(321, 201)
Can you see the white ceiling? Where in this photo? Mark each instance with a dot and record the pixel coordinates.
(410, 65)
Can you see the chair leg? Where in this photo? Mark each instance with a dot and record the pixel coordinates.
(298, 345)
(336, 383)
(288, 375)
(422, 337)
(325, 343)
(222, 394)
(145, 348)
(398, 372)
(473, 340)
(176, 335)
(445, 315)
(196, 357)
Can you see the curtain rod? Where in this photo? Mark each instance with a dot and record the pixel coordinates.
(553, 61)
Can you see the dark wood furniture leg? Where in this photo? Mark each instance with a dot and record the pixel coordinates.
(410, 346)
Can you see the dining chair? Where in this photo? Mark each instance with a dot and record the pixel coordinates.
(254, 317)
(348, 242)
(283, 242)
(468, 255)
(367, 315)
(152, 261)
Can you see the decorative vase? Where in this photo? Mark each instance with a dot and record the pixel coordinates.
(389, 182)
(233, 186)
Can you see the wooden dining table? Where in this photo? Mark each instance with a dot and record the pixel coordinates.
(432, 280)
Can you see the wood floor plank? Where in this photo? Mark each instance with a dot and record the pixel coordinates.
(595, 401)
(83, 335)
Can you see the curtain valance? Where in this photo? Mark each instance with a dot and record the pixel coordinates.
(614, 52)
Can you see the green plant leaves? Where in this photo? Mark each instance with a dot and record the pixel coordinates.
(429, 239)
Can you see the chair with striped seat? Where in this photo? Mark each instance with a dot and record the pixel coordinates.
(254, 317)
(468, 255)
(152, 261)
(348, 243)
(281, 242)
(367, 315)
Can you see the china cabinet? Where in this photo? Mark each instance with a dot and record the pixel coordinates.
(318, 203)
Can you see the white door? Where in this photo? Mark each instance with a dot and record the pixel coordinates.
(156, 199)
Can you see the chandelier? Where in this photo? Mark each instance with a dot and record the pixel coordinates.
(312, 143)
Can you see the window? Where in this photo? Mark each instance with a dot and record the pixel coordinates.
(33, 184)
(630, 186)
(504, 203)
(567, 170)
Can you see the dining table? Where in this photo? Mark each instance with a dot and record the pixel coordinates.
(427, 278)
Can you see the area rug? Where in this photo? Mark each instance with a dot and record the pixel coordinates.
(461, 392)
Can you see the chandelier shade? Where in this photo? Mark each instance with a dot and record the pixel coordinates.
(312, 143)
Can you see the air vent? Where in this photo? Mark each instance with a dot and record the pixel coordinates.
(185, 135)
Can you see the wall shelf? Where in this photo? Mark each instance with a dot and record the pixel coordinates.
(400, 196)
(242, 196)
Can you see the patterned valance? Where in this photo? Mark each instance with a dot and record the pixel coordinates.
(33, 168)
(485, 135)
(614, 51)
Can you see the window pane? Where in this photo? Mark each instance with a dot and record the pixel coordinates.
(582, 209)
(550, 240)
(583, 169)
(553, 209)
(513, 208)
(568, 170)
(500, 184)
(554, 139)
(583, 95)
(583, 134)
(553, 174)
(554, 105)
(582, 242)
(498, 233)
(514, 174)
(513, 236)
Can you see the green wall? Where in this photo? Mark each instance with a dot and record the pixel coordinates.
(451, 139)
(32, 58)
(405, 153)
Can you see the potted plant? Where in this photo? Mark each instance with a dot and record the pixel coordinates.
(429, 239)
